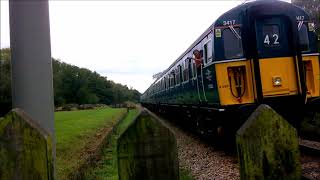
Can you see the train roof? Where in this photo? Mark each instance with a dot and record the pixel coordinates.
(234, 12)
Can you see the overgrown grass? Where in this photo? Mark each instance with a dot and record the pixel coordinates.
(185, 174)
(107, 166)
(75, 129)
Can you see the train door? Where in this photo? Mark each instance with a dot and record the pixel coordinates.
(197, 55)
(276, 66)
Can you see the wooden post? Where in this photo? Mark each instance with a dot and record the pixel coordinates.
(267, 147)
(147, 150)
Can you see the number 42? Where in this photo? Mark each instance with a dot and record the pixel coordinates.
(275, 38)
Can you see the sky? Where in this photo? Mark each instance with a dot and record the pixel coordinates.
(127, 41)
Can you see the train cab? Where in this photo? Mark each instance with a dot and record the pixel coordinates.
(260, 52)
(266, 52)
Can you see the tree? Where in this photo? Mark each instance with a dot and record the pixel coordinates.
(71, 85)
(5, 81)
(313, 8)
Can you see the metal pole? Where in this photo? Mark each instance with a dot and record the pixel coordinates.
(32, 87)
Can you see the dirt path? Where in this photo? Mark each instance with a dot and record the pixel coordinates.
(91, 153)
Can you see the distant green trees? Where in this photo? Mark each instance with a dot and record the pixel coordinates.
(71, 85)
(5, 81)
(313, 8)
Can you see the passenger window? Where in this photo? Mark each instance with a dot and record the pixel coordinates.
(163, 84)
(304, 38)
(172, 79)
(186, 70)
(207, 48)
(177, 75)
(271, 36)
(232, 43)
(194, 69)
(180, 74)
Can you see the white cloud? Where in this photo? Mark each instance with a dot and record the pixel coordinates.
(125, 41)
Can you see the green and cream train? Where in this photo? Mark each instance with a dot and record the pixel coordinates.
(258, 52)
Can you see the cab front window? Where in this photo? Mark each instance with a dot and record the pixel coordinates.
(232, 43)
(303, 37)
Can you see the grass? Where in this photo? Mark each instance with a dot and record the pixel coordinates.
(185, 174)
(107, 166)
(74, 130)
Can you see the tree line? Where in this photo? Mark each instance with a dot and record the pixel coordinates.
(71, 85)
(312, 7)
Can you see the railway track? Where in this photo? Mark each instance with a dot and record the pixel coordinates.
(308, 147)
(200, 156)
(310, 159)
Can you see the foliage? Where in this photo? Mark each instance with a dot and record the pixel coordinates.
(71, 85)
(76, 129)
(82, 86)
(313, 9)
(185, 174)
(5, 81)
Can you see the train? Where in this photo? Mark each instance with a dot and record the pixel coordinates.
(260, 52)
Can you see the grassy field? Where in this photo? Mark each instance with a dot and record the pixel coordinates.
(107, 167)
(75, 130)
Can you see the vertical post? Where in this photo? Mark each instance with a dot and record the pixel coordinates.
(32, 85)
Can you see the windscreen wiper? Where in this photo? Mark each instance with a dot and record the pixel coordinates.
(234, 32)
(300, 25)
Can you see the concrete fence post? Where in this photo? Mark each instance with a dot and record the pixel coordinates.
(147, 150)
(268, 147)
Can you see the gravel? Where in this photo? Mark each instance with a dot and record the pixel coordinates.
(310, 164)
(309, 143)
(204, 162)
(201, 159)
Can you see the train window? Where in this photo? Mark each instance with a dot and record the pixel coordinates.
(176, 76)
(180, 74)
(194, 69)
(162, 84)
(232, 43)
(304, 39)
(207, 48)
(167, 82)
(172, 79)
(271, 35)
(186, 70)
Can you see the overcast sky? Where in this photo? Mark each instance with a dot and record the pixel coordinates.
(126, 41)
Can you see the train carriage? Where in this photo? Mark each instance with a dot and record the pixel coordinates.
(258, 52)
